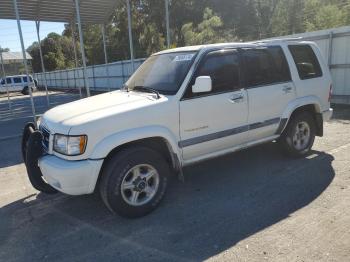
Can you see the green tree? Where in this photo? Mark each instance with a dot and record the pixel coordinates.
(57, 53)
(191, 22)
(323, 14)
(4, 49)
(33, 50)
(210, 30)
(239, 16)
(288, 18)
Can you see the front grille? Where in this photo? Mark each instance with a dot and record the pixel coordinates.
(46, 137)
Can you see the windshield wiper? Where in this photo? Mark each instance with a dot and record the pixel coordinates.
(146, 89)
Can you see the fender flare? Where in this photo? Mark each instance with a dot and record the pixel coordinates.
(295, 104)
(106, 145)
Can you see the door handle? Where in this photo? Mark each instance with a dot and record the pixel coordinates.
(287, 89)
(237, 98)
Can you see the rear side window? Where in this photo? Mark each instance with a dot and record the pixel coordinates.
(282, 72)
(305, 61)
(8, 81)
(17, 80)
(265, 66)
(25, 79)
(223, 68)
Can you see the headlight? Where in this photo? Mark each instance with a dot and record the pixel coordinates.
(69, 145)
(38, 121)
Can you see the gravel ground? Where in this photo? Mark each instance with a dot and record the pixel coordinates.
(254, 205)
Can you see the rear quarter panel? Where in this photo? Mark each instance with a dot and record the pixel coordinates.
(314, 87)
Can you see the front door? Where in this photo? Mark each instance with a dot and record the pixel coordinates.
(214, 121)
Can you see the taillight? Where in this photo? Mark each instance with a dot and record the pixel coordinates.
(330, 93)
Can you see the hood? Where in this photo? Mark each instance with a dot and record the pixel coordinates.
(61, 118)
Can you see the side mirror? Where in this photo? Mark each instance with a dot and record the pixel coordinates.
(203, 84)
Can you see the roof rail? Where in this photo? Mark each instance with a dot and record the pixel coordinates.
(278, 39)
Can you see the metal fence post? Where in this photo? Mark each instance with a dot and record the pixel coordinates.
(82, 49)
(37, 25)
(6, 85)
(25, 61)
(75, 80)
(93, 76)
(123, 73)
(130, 35)
(330, 49)
(103, 28)
(67, 73)
(167, 23)
(75, 57)
(55, 74)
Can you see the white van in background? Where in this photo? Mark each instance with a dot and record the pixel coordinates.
(18, 83)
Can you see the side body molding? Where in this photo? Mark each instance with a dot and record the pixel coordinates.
(105, 146)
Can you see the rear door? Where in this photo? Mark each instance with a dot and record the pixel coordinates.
(270, 89)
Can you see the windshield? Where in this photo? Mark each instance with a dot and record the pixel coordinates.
(164, 73)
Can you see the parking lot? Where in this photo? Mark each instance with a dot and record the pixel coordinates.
(254, 205)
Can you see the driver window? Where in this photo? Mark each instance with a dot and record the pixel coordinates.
(223, 68)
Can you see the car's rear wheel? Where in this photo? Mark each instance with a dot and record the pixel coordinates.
(299, 135)
(134, 181)
(25, 90)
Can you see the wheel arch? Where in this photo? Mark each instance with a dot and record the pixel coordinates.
(309, 104)
(157, 143)
(157, 138)
(104, 147)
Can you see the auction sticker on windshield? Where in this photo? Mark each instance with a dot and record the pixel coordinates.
(180, 58)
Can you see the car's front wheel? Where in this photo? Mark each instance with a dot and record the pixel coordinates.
(134, 181)
(299, 135)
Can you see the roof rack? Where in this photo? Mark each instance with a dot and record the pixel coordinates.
(278, 39)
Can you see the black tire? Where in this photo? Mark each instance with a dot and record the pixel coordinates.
(286, 141)
(25, 90)
(117, 169)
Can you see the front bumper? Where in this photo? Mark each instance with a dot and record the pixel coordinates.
(327, 114)
(70, 177)
(48, 173)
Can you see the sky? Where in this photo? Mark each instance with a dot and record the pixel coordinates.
(9, 36)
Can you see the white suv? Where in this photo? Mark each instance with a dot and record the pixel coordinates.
(17, 83)
(181, 106)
